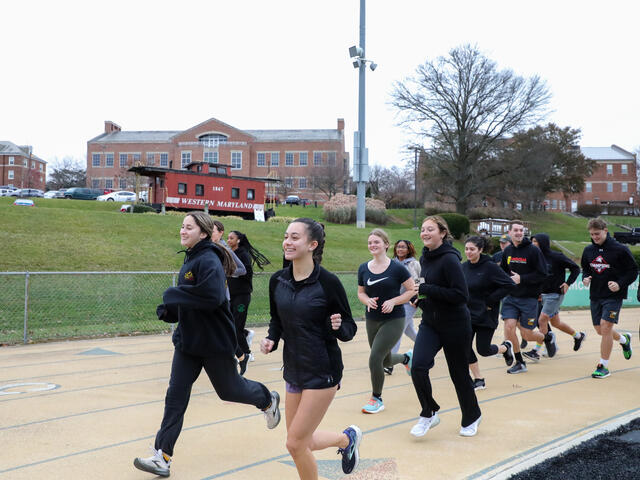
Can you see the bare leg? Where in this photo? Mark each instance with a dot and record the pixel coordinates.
(560, 325)
(543, 323)
(510, 333)
(475, 370)
(531, 335)
(608, 334)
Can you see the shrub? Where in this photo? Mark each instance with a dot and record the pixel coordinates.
(458, 224)
(589, 210)
(342, 209)
(436, 208)
(281, 219)
(141, 208)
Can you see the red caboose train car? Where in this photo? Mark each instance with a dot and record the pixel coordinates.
(204, 185)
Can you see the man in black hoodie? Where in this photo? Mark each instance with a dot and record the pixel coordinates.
(608, 268)
(528, 269)
(553, 292)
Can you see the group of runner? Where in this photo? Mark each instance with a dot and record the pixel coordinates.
(310, 312)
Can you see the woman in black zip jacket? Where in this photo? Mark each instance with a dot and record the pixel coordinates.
(310, 312)
(445, 325)
(487, 284)
(204, 338)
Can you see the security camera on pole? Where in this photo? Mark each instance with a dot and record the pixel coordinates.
(360, 153)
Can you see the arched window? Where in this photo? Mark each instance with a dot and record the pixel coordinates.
(213, 139)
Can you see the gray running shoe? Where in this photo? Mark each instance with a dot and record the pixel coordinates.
(272, 414)
(155, 464)
(532, 355)
(519, 367)
(508, 354)
(478, 384)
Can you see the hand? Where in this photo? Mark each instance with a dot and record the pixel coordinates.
(563, 288)
(387, 306)
(613, 286)
(266, 345)
(336, 321)
(586, 281)
(416, 289)
(515, 277)
(372, 303)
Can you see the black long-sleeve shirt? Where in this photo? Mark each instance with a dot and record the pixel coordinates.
(557, 265)
(527, 261)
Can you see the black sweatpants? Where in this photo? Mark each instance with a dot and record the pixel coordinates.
(239, 305)
(483, 342)
(455, 342)
(226, 381)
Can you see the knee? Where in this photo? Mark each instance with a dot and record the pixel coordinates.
(296, 446)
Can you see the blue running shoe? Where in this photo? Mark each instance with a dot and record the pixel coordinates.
(407, 365)
(351, 454)
(374, 405)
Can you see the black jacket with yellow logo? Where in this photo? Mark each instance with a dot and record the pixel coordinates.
(527, 261)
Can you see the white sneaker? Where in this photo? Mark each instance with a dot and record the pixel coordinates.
(250, 334)
(252, 358)
(272, 414)
(155, 464)
(472, 429)
(424, 424)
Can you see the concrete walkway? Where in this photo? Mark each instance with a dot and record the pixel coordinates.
(85, 409)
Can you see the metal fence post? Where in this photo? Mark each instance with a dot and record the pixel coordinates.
(26, 305)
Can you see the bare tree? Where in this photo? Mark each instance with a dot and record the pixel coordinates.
(328, 180)
(65, 173)
(465, 106)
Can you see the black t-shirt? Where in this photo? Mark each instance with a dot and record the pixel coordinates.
(383, 285)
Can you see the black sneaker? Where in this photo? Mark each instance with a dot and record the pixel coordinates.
(508, 354)
(478, 384)
(388, 370)
(351, 454)
(550, 343)
(519, 367)
(523, 344)
(577, 342)
(532, 355)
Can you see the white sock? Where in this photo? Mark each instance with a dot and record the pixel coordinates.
(622, 340)
(576, 335)
(604, 362)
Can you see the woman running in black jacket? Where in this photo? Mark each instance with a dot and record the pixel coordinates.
(204, 338)
(310, 312)
(445, 324)
(487, 284)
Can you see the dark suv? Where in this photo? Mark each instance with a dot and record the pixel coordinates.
(81, 193)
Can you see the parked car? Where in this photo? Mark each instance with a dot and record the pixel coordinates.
(27, 192)
(24, 202)
(50, 194)
(4, 192)
(632, 237)
(120, 196)
(292, 200)
(81, 193)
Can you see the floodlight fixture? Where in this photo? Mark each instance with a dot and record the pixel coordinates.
(373, 66)
(355, 52)
(357, 62)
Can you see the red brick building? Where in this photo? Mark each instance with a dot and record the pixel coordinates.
(614, 182)
(20, 168)
(307, 162)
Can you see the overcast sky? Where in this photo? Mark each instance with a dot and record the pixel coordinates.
(67, 66)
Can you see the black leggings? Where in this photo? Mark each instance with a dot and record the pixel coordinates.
(226, 381)
(239, 305)
(455, 343)
(483, 342)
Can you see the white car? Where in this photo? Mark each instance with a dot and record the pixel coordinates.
(50, 194)
(121, 196)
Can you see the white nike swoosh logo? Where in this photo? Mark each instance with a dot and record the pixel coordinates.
(369, 282)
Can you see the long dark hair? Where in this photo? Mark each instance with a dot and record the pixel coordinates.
(481, 243)
(206, 223)
(258, 258)
(315, 231)
(411, 250)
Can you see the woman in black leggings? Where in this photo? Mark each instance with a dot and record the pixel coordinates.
(445, 325)
(487, 284)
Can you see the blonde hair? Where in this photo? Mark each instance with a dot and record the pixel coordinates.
(442, 226)
(378, 232)
(596, 224)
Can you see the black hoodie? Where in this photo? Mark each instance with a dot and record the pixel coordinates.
(557, 265)
(611, 261)
(527, 261)
(445, 288)
(199, 304)
(488, 284)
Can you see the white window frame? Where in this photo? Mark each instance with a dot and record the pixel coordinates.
(41, 167)
(12, 160)
(108, 155)
(185, 154)
(276, 156)
(95, 183)
(261, 159)
(123, 183)
(94, 157)
(332, 158)
(108, 183)
(302, 183)
(588, 187)
(289, 159)
(10, 175)
(624, 186)
(624, 169)
(126, 159)
(288, 181)
(317, 162)
(165, 159)
(151, 156)
(609, 169)
(609, 187)
(236, 159)
(303, 159)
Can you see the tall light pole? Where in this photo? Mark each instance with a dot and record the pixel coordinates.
(361, 163)
(415, 187)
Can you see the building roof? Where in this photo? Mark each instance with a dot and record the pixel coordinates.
(10, 148)
(607, 153)
(136, 137)
(295, 135)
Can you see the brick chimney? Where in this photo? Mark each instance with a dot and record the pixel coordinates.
(110, 127)
(340, 124)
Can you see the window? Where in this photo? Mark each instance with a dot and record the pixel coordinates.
(12, 160)
(182, 188)
(26, 162)
(123, 183)
(199, 190)
(123, 160)
(609, 169)
(554, 204)
(108, 183)
(288, 159)
(95, 183)
(331, 158)
(317, 158)
(10, 177)
(609, 187)
(303, 159)
(302, 183)
(213, 139)
(262, 159)
(589, 202)
(288, 181)
(136, 158)
(624, 187)
(186, 159)
(211, 157)
(275, 159)
(625, 169)
(251, 194)
(95, 160)
(33, 164)
(236, 160)
(108, 160)
(151, 158)
(40, 165)
(588, 186)
(235, 192)
(164, 159)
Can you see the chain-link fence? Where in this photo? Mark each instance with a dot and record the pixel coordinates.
(40, 306)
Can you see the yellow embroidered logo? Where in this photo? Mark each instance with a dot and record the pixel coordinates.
(613, 314)
(508, 259)
(188, 276)
(531, 321)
